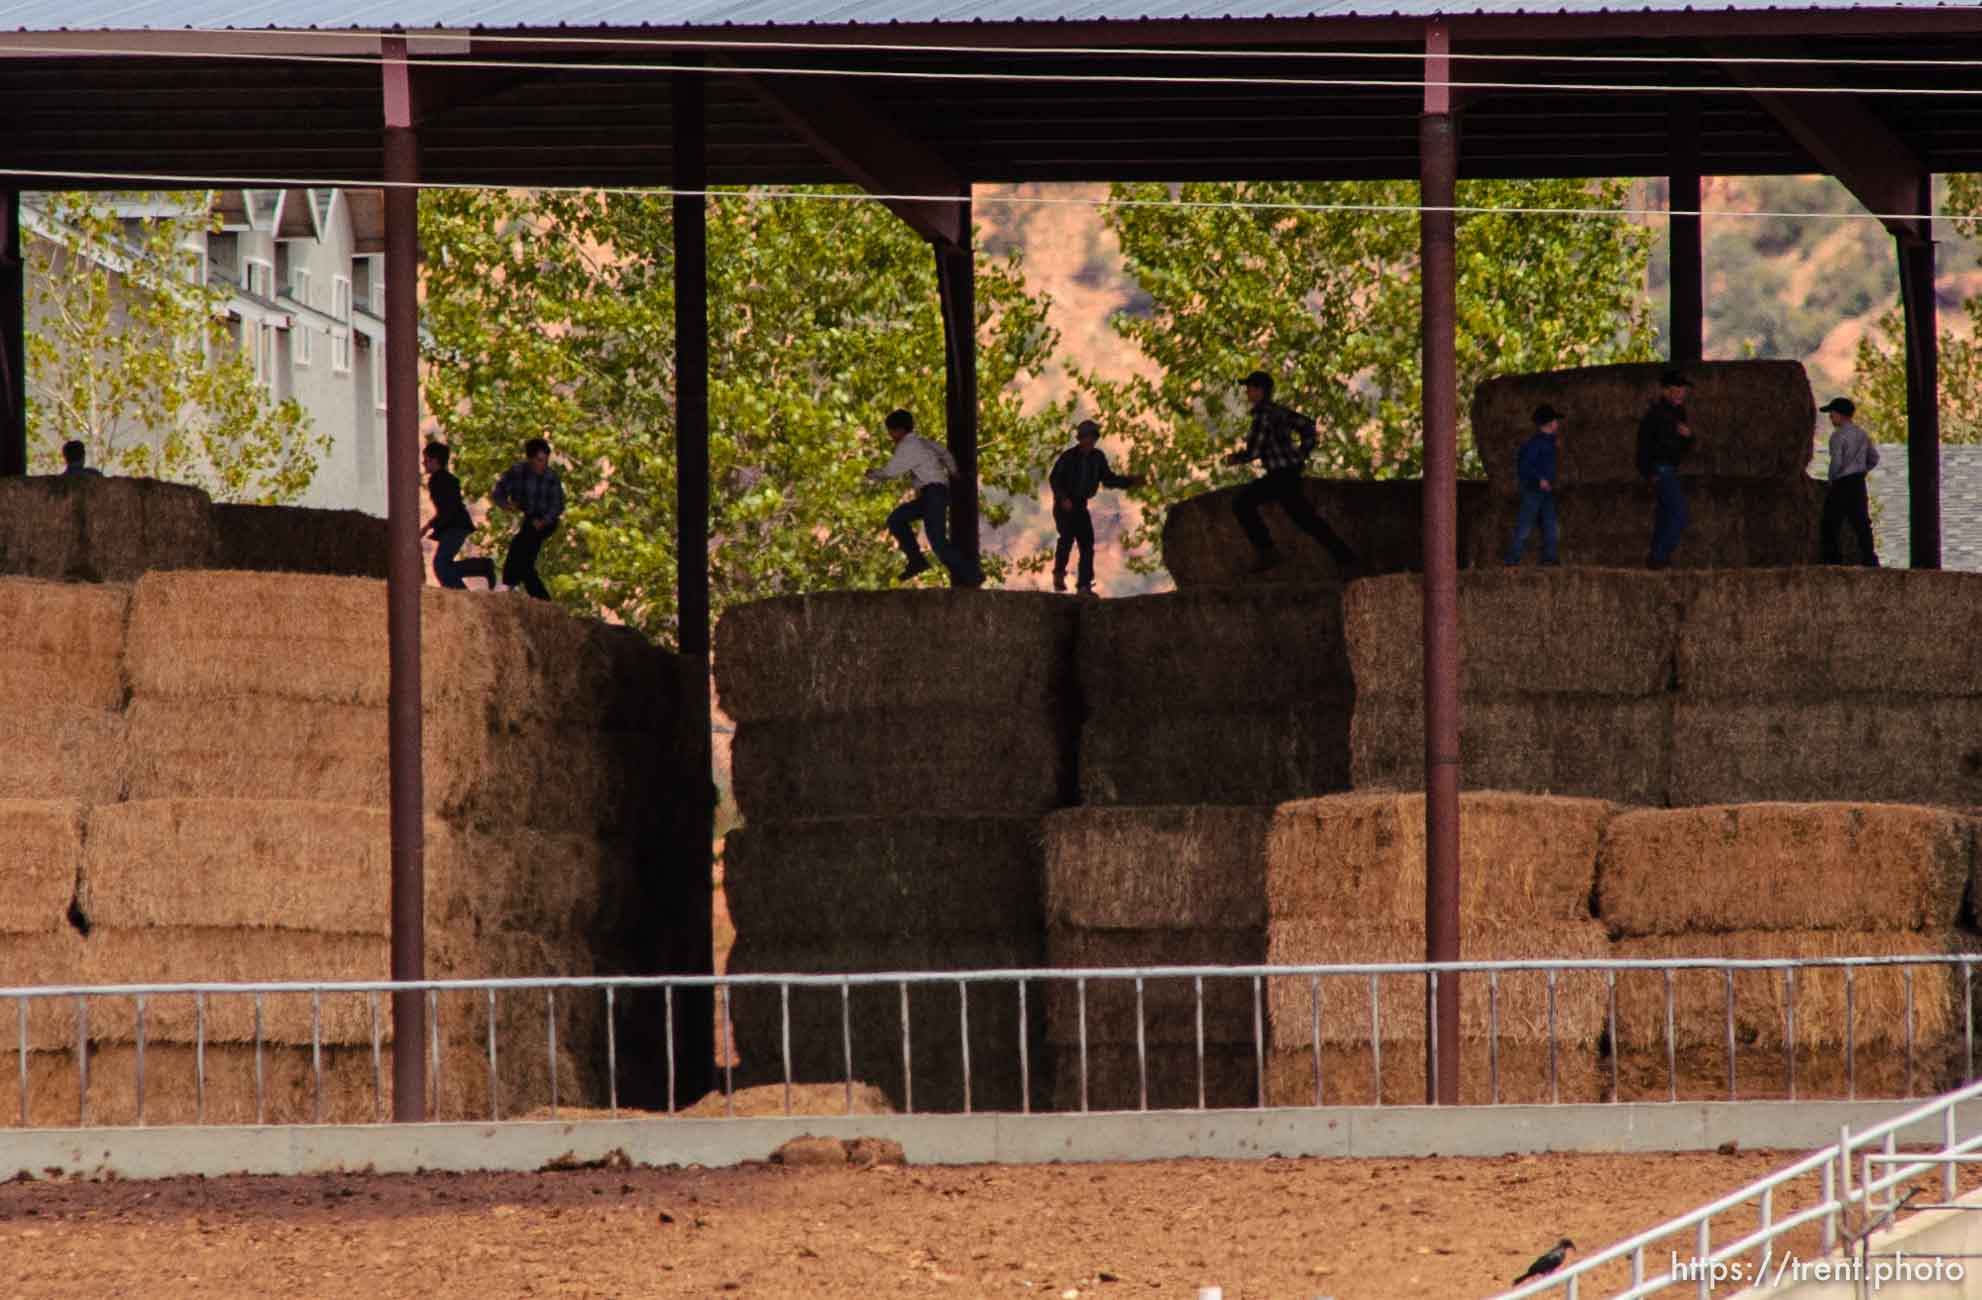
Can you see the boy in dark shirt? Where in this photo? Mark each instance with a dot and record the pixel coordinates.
(1665, 438)
(532, 489)
(1535, 467)
(1080, 472)
(450, 525)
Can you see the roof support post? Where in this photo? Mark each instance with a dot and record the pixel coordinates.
(1438, 172)
(1686, 327)
(694, 951)
(956, 289)
(404, 580)
(13, 339)
(1923, 398)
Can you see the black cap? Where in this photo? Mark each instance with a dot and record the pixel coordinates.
(1545, 413)
(1087, 429)
(1258, 379)
(1674, 379)
(1842, 405)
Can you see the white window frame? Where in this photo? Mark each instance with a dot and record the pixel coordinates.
(340, 333)
(302, 335)
(258, 277)
(378, 376)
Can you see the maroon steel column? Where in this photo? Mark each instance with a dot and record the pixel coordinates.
(1687, 324)
(13, 339)
(403, 581)
(956, 289)
(696, 892)
(1438, 164)
(1923, 388)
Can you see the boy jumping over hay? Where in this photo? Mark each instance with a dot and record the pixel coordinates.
(1852, 457)
(450, 525)
(1535, 467)
(1664, 439)
(1080, 472)
(532, 488)
(1270, 441)
(929, 467)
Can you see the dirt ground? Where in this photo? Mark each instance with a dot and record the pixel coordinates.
(1367, 1229)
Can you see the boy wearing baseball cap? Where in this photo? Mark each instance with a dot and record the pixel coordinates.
(1853, 456)
(1535, 467)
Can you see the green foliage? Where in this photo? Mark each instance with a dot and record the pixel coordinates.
(131, 353)
(553, 315)
(1879, 385)
(1329, 302)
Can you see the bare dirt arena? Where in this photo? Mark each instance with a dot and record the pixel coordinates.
(1368, 1229)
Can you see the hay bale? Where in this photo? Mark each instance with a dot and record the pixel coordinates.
(297, 539)
(1524, 859)
(56, 749)
(1514, 1074)
(1760, 1000)
(1762, 1072)
(1732, 524)
(1751, 419)
(1854, 867)
(54, 1091)
(1114, 1077)
(181, 954)
(1546, 631)
(1825, 631)
(1169, 1005)
(49, 959)
(288, 1095)
(89, 529)
(1165, 869)
(1212, 648)
(1381, 520)
(66, 643)
(898, 763)
(1345, 999)
(1886, 748)
(870, 651)
(873, 1014)
(1592, 746)
(894, 879)
(1232, 755)
(41, 849)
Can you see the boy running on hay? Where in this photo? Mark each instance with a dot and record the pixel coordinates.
(1270, 441)
(531, 488)
(1535, 467)
(1664, 440)
(929, 467)
(1852, 457)
(450, 525)
(1080, 472)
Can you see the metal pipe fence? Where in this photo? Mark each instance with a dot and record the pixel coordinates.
(1233, 1014)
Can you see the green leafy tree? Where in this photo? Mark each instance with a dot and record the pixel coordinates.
(1879, 384)
(553, 315)
(131, 353)
(1328, 300)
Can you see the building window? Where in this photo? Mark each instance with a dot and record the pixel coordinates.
(259, 279)
(340, 333)
(378, 376)
(303, 333)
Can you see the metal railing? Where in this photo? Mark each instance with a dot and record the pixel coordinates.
(1839, 1197)
(982, 991)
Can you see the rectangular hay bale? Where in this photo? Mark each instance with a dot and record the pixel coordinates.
(108, 529)
(50, 959)
(41, 850)
(298, 539)
(1524, 859)
(1154, 754)
(1382, 520)
(59, 750)
(1588, 746)
(65, 644)
(1212, 648)
(1166, 869)
(1871, 747)
(1853, 867)
(1115, 1077)
(1510, 1074)
(1170, 1005)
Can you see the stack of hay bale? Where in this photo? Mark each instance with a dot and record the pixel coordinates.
(893, 756)
(1564, 682)
(1790, 880)
(234, 828)
(1382, 520)
(1828, 683)
(1747, 488)
(41, 842)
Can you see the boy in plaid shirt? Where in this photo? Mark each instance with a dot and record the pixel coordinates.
(1271, 442)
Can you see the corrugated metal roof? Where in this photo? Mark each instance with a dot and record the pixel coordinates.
(496, 15)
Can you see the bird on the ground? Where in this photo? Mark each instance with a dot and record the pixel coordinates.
(1549, 1262)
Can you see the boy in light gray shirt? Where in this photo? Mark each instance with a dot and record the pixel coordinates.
(1853, 456)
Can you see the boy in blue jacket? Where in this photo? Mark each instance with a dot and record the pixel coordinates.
(1535, 467)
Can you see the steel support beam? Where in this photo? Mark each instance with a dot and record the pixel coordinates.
(403, 582)
(1686, 324)
(956, 290)
(13, 338)
(871, 151)
(1923, 404)
(694, 893)
(1438, 161)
